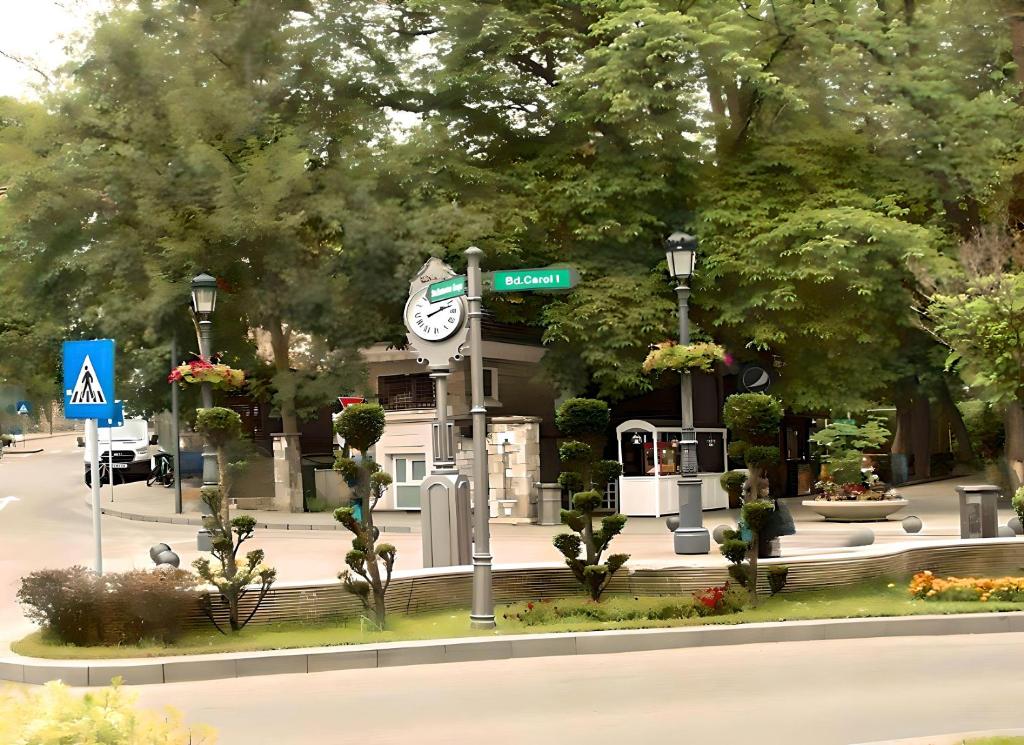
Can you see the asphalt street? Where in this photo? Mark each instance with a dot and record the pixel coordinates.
(803, 693)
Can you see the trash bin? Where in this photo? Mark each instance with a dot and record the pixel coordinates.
(979, 511)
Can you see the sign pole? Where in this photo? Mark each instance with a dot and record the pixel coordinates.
(176, 450)
(92, 434)
(482, 614)
(110, 460)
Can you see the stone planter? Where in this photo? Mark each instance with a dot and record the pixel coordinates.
(855, 511)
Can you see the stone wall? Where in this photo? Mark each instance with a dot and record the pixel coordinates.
(513, 464)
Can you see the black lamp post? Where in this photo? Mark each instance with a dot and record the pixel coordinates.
(204, 301)
(691, 537)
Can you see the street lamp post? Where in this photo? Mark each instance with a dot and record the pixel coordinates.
(691, 537)
(204, 301)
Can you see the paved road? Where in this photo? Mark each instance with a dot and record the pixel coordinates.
(818, 693)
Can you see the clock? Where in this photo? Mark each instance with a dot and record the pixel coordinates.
(434, 321)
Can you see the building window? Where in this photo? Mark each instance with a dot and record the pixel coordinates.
(400, 392)
(490, 384)
(409, 472)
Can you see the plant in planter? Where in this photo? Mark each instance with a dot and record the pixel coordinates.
(586, 422)
(684, 357)
(203, 371)
(847, 479)
(370, 564)
(221, 427)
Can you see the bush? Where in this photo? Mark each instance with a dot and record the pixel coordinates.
(985, 427)
(714, 601)
(361, 425)
(845, 467)
(1018, 503)
(777, 576)
(734, 549)
(574, 451)
(732, 481)
(927, 586)
(53, 714)
(761, 456)
(753, 417)
(582, 417)
(218, 425)
(79, 607)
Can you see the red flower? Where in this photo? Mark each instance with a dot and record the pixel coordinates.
(529, 606)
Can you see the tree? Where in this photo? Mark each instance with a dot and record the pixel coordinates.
(756, 515)
(754, 419)
(586, 420)
(362, 426)
(232, 579)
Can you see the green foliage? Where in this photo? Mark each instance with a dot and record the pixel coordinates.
(753, 417)
(981, 325)
(348, 468)
(740, 574)
(52, 714)
(606, 470)
(622, 609)
(684, 357)
(583, 417)
(574, 451)
(761, 456)
(985, 427)
(79, 607)
(732, 481)
(218, 425)
(844, 436)
(734, 549)
(1018, 503)
(777, 576)
(588, 569)
(361, 425)
(756, 514)
(570, 481)
(845, 467)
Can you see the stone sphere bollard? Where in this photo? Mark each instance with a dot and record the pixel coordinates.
(719, 533)
(1015, 526)
(672, 522)
(1005, 531)
(156, 550)
(861, 537)
(168, 557)
(912, 524)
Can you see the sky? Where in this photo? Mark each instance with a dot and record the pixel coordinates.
(34, 30)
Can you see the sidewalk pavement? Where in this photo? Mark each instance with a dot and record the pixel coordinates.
(935, 503)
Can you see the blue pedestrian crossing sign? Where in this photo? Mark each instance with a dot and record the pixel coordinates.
(117, 420)
(22, 408)
(89, 379)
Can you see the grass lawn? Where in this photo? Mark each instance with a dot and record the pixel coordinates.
(996, 741)
(869, 599)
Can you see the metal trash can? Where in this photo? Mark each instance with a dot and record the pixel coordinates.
(979, 511)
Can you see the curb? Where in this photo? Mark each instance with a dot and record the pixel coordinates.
(395, 654)
(198, 521)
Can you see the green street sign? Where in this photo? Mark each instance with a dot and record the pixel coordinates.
(526, 280)
(447, 289)
(844, 421)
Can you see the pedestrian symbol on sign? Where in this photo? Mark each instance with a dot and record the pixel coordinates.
(87, 388)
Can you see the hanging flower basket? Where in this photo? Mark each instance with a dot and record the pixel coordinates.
(202, 371)
(684, 357)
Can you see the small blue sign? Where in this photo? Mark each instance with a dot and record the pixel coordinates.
(117, 420)
(22, 408)
(89, 379)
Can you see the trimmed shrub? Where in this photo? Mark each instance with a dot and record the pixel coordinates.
(1018, 503)
(219, 425)
(761, 456)
(777, 576)
(583, 417)
(587, 568)
(753, 417)
(79, 607)
(361, 425)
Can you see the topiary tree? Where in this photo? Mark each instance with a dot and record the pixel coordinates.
(756, 515)
(586, 422)
(754, 419)
(221, 427)
(361, 426)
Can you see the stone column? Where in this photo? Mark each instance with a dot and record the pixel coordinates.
(287, 472)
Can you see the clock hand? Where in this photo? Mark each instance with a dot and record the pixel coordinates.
(443, 307)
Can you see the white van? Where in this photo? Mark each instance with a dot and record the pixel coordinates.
(132, 451)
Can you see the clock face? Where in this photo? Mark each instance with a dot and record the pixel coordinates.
(433, 321)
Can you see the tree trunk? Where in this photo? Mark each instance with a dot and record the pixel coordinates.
(1014, 424)
(372, 567)
(280, 342)
(964, 451)
(755, 547)
(921, 436)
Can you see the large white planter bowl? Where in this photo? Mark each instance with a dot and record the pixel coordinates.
(855, 511)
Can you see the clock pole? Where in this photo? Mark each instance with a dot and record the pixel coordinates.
(482, 614)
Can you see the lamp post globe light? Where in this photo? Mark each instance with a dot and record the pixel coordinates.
(690, 537)
(204, 300)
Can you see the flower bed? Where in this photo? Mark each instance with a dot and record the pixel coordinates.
(983, 589)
